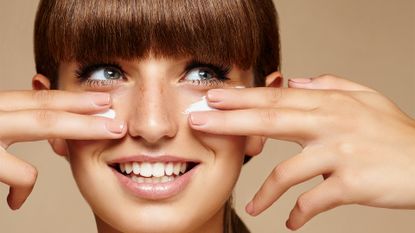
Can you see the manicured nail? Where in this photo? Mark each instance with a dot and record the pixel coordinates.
(215, 95)
(250, 208)
(101, 99)
(198, 119)
(300, 80)
(116, 126)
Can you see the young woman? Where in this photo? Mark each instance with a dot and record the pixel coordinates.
(158, 168)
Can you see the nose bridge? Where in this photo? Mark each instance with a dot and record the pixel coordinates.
(152, 118)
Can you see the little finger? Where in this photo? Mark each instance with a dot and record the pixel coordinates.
(19, 175)
(291, 172)
(327, 195)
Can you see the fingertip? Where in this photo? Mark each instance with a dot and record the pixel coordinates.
(12, 203)
(250, 208)
(215, 95)
(116, 127)
(288, 224)
(197, 119)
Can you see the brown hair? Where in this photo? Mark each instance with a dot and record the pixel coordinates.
(239, 32)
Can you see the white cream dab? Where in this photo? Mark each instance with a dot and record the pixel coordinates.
(199, 106)
(108, 114)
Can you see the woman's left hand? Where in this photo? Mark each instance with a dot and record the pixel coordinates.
(361, 142)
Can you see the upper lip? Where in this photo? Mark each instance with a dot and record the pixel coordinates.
(152, 159)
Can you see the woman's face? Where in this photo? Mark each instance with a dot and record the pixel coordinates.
(135, 184)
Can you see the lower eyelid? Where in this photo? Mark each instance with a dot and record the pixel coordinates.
(99, 83)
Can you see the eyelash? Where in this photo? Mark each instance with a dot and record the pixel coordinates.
(84, 72)
(220, 73)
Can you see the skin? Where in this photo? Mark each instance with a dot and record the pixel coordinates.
(340, 153)
(151, 101)
(341, 144)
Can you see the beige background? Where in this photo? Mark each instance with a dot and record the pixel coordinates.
(371, 42)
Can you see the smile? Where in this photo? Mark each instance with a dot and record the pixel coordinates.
(154, 177)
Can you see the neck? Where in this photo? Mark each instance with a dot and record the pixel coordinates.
(213, 225)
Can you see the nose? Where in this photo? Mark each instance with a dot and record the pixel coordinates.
(152, 116)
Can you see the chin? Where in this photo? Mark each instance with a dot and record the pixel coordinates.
(169, 192)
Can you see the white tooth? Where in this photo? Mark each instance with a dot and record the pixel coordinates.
(136, 168)
(176, 168)
(134, 178)
(158, 169)
(171, 178)
(183, 167)
(164, 179)
(146, 169)
(148, 180)
(169, 169)
(128, 168)
(122, 167)
(156, 179)
(139, 179)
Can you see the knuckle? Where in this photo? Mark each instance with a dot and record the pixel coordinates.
(274, 95)
(29, 176)
(327, 78)
(279, 174)
(348, 182)
(268, 116)
(346, 148)
(45, 118)
(303, 204)
(43, 98)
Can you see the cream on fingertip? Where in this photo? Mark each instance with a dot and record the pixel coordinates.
(199, 106)
(108, 114)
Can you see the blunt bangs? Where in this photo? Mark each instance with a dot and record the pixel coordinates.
(214, 31)
(221, 32)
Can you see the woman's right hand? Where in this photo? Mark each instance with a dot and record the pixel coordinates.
(38, 115)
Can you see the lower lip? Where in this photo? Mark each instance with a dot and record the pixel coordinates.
(156, 191)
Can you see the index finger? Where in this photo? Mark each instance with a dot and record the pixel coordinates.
(77, 102)
(265, 97)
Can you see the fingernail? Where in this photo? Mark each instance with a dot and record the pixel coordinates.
(198, 119)
(300, 80)
(250, 208)
(101, 99)
(215, 95)
(116, 126)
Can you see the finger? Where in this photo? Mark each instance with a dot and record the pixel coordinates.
(19, 175)
(82, 102)
(265, 97)
(291, 172)
(285, 124)
(254, 145)
(327, 82)
(44, 124)
(324, 197)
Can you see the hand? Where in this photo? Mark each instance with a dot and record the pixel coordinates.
(37, 115)
(360, 141)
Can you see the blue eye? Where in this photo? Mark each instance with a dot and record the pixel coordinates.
(107, 73)
(100, 75)
(200, 74)
(206, 74)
